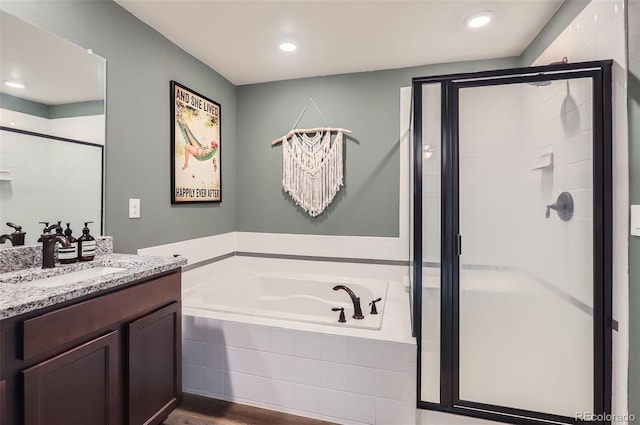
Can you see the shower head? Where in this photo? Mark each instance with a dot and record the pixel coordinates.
(540, 83)
(546, 83)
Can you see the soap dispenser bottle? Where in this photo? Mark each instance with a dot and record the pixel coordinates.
(62, 254)
(46, 225)
(69, 254)
(59, 229)
(86, 244)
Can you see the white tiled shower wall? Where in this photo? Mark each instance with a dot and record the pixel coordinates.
(19, 205)
(599, 33)
(558, 120)
(490, 193)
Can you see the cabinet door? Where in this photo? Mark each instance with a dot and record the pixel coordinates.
(77, 387)
(154, 365)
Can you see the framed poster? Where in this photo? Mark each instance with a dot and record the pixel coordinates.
(195, 147)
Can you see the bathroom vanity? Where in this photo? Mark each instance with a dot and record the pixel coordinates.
(77, 348)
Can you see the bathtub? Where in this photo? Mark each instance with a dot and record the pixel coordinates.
(255, 335)
(302, 298)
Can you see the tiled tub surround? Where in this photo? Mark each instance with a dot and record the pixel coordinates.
(343, 375)
(24, 257)
(20, 294)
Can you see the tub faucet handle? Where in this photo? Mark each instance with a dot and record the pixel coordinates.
(342, 319)
(374, 310)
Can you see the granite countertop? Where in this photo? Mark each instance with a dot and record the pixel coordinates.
(20, 293)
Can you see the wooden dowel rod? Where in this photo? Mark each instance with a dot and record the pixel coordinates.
(308, 130)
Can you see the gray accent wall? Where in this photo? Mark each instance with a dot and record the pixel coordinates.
(24, 106)
(140, 65)
(366, 103)
(633, 93)
(76, 109)
(65, 110)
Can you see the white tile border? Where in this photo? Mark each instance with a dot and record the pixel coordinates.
(378, 248)
(196, 250)
(358, 247)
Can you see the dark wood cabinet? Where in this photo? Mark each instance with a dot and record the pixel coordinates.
(77, 387)
(154, 366)
(111, 358)
(3, 402)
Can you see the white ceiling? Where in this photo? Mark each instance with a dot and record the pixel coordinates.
(239, 39)
(27, 54)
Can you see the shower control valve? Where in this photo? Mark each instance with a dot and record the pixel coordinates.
(342, 319)
(563, 206)
(374, 310)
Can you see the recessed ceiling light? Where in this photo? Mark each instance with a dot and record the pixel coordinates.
(288, 47)
(478, 20)
(14, 84)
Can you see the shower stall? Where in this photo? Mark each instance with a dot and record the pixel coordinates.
(512, 243)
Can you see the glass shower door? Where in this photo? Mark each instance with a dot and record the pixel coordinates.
(513, 243)
(526, 263)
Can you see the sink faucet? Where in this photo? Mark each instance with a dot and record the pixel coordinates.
(357, 310)
(49, 241)
(16, 238)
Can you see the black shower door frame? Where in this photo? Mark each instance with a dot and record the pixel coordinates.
(450, 402)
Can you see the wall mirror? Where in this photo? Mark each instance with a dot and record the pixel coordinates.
(52, 131)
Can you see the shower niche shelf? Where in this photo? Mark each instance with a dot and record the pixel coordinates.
(545, 161)
(5, 175)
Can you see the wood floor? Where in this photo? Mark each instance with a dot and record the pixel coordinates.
(198, 410)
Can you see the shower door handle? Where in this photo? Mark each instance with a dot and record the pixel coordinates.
(458, 244)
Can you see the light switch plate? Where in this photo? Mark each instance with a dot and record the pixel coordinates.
(635, 220)
(134, 208)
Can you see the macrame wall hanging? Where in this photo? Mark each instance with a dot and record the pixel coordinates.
(312, 169)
